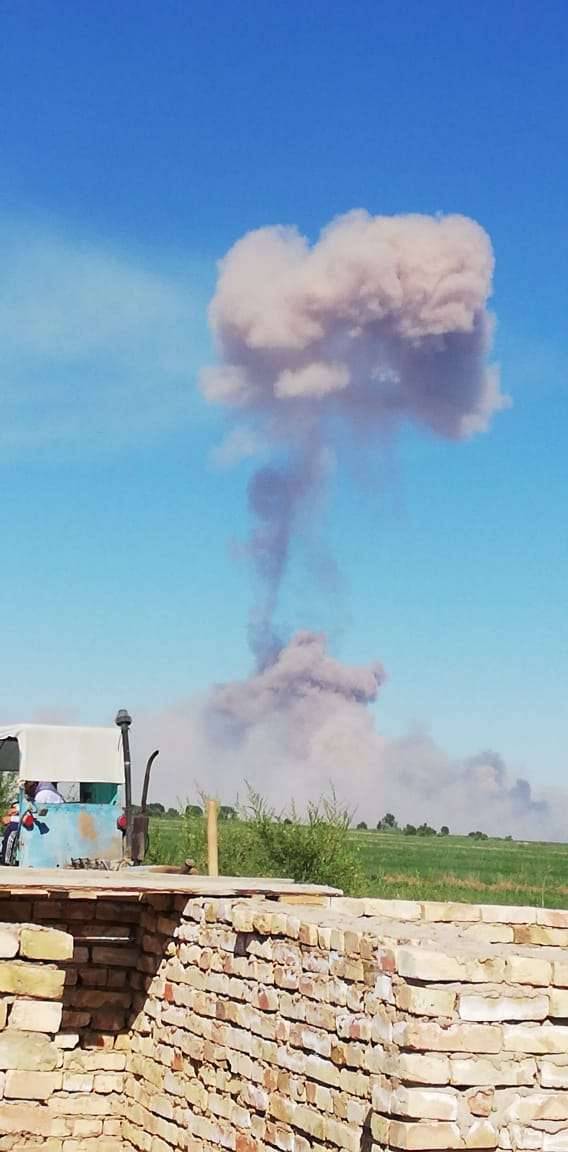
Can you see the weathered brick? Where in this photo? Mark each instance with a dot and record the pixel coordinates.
(341, 1135)
(424, 1104)
(492, 1007)
(559, 1002)
(78, 1082)
(542, 1039)
(109, 955)
(45, 943)
(9, 941)
(31, 1085)
(455, 1038)
(560, 974)
(419, 963)
(506, 914)
(554, 1072)
(27, 1118)
(20, 979)
(421, 1069)
(537, 934)
(450, 912)
(482, 1134)
(529, 970)
(36, 1015)
(480, 1101)
(425, 1136)
(480, 1071)
(540, 1106)
(404, 910)
(28, 1051)
(421, 1001)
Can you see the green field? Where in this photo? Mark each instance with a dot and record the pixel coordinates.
(429, 868)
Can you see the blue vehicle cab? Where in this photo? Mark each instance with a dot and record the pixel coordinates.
(93, 821)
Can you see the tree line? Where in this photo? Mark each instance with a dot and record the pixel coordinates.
(389, 823)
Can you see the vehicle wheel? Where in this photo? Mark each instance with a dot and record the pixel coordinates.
(10, 854)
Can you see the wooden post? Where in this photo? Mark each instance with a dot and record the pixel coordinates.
(212, 839)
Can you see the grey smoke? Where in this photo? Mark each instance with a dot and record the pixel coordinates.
(383, 320)
(305, 724)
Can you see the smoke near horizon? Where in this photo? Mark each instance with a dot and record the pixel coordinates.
(382, 321)
(305, 725)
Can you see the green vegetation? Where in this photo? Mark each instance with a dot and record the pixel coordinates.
(7, 790)
(464, 868)
(256, 841)
(417, 864)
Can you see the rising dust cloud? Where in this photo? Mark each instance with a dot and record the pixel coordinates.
(383, 321)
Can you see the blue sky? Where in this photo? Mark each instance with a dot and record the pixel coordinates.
(137, 142)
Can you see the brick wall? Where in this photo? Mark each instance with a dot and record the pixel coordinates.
(364, 1024)
(53, 1094)
(258, 1024)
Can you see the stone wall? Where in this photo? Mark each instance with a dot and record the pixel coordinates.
(53, 1095)
(258, 1024)
(367, 1023)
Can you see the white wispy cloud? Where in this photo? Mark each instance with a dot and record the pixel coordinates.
(95, 345)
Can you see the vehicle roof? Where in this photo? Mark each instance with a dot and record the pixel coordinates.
(65, 753)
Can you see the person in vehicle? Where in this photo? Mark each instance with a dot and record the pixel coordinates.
(38, 792)
(11, 825)
(43, 792)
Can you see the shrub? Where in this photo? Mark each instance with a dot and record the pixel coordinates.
(444, 830)
(425, 830)
(409, 830)
(388, 823)
(317, 849)
(8, 790)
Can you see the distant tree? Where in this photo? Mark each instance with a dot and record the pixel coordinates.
(409, 830)
(444, 830)
(361, 827)
(388, 823)
(507, 837)
(425, 830)
(172, 812)
(227, 813)
(478, 835)
(156, 809)
(193, 811)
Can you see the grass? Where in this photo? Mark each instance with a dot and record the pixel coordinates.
(318, 849)
(458, 868)
(393, 865)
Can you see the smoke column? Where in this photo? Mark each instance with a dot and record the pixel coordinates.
(304, 724)
(382, 320)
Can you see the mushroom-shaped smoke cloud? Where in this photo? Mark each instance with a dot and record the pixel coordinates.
(383, 319)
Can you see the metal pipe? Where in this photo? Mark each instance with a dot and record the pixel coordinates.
(146, 785)
(123, 721)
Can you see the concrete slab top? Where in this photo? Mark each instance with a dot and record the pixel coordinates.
(138, 881)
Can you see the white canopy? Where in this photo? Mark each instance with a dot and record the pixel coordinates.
(67, 754)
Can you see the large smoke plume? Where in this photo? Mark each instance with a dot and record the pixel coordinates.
(381, 321)
(304, 724)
